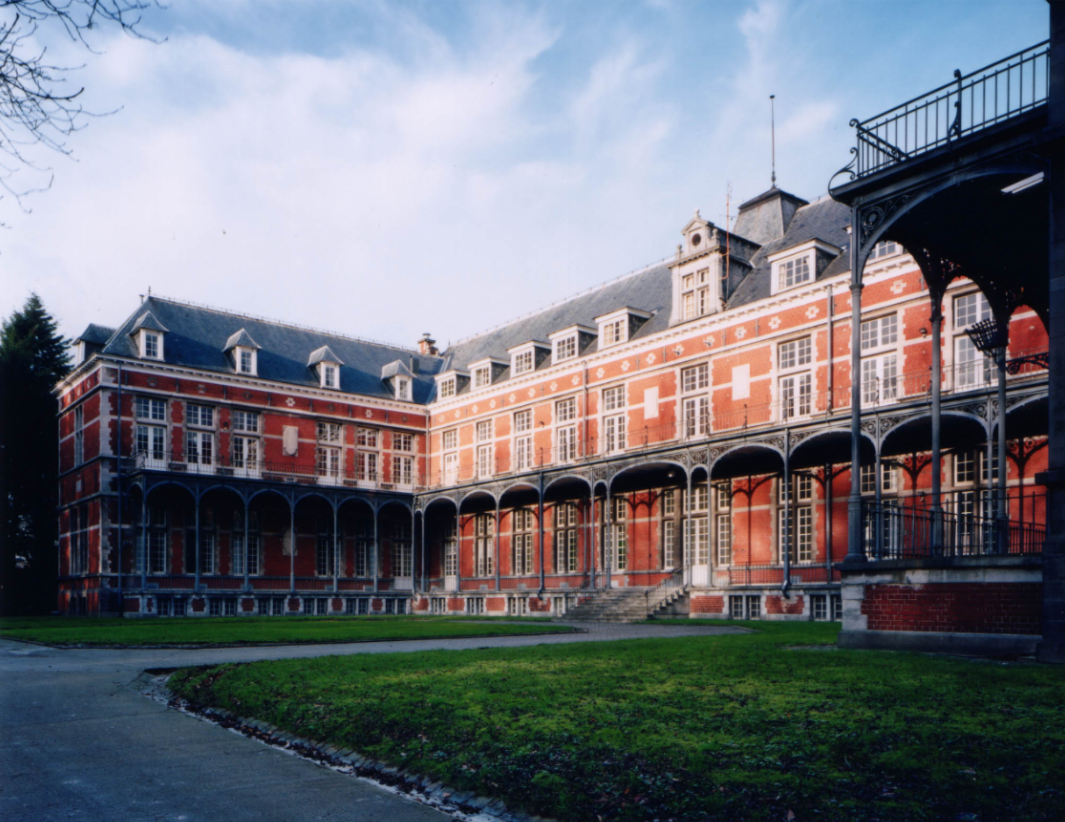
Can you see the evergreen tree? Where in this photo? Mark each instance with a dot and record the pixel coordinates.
(33, 358)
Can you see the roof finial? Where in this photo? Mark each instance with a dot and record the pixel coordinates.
(773, 139)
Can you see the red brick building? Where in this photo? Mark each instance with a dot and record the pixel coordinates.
(679, 436)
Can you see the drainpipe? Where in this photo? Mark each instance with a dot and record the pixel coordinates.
(830, 404)
(118, 479)
(540, 520)
(787, 514)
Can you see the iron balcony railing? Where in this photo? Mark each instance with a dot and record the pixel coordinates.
(894, 530)
(969, 104)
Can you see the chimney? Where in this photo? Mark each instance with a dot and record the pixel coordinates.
(427, 345)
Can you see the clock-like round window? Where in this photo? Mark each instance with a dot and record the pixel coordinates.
(696, 239)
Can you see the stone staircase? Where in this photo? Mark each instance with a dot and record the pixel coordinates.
(612, 605)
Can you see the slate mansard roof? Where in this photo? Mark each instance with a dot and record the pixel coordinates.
(198, 338)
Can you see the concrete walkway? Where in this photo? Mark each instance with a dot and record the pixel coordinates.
(78, 743)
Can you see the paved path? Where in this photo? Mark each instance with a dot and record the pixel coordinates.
(78, 743)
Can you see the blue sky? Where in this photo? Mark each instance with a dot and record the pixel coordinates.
(388, 168)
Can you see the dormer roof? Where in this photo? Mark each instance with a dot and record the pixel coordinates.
(241, 339)
(396, 368)
(148, 322)
(95, 334)
(323, 354)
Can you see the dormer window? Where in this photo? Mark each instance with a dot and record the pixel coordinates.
(328, 365)
(565, 348)
(447, 388)
(245, 353)
(403, 386)
(151, 345)
(619, 326)
(482, 376)
(149, 332)
(523, 362)
(612, 332)
(695, 294)
(793, 272)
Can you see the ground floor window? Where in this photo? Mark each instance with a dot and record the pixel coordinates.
(279, 606)
(402, 560)
(322, 607)
(364, 607)
(215, 607)
(519, 606)
(745, 606)
(164, 606)
(475, 605)
(438, 605)
(390, 606)
(558, 606)
(819, 607)
(263, 607)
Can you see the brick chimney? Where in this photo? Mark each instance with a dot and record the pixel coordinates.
(427, 345)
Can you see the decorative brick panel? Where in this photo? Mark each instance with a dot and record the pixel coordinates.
(707, 605)
(971, 607)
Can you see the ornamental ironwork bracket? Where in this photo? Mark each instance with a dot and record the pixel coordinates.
(1040, 360)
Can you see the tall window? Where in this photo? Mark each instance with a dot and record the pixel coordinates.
(79, 435)
(451, 456)
(325, 556)
(796, 389)
(694, 383)
(447, 388)
(328, 454)
(151, 345)
(867, 479)
(523, 441)
(329, 375)
(207, 541)
(240, 555)
(79, 539)
(566, 525)
(367, 441)
(364, 546)
(566, 430)
(521, 541)
(972, 368)
(793, 272)
(157, 540)
(402, 560)
(402, 470)
(613, 423)
(245, 361)
(245, 441)
(620, 533)
(402, 441)
(451, 549)
(697, 545)
(880, 373)
(724, 539)
(485, 449)
(484, 544)
(695, 294)
(199, 437)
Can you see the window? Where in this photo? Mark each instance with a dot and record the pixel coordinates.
(157, 540)
(148, 408)
(723, 496)
(328, 454)
(695, 294)
(700, 498)
(669, 503)
(880, 333)
(207, 550)
(523, 362)
(402, 442)
(79, 540)
(451, 457)
(366, 437)
(199, 449)
(796, 394)
(819, 602)
(238, 543)
(566, 525)
(802, 488)
(885, 248)
(475, 605)
(201, 416)
(329, 375)
(245, 360)
(521, 541)
(565, 434)
(151, 445)
(972, 369)
(245, 448)
(245, 421)
(523, 441)
(402, 558)
(964, 468)
(519, 606)
(696, 409)
(867, 479)
(614, 426)
(447, 388)
(724, 539)
(803, 525)
(79, 435)
(879, 379)
(403, 388)
(451, 550)
(793, 272)
(482, 376)
(612, 332)
(484, 544)
(366, 466)
(403, 470)
(325, 555)
(364, 546)
(485, 449)
(565, 348)
(795, 354)
(151, 345)
(970, 309)
(620, 534)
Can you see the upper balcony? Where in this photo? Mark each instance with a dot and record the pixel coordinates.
(989, 98)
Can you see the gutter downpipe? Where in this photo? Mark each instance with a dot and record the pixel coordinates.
(540, 520)
(118, 479)
(787, 514)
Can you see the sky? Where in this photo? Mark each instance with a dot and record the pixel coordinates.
(384, 169)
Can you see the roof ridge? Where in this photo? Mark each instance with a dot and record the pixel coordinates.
(556, 303)
(287, 324)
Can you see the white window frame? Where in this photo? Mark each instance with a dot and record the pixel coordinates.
(522, 362)
(484, 433)
(403, 389)
(448, 387)
(403, 470)
(250, 366)
(880, 334)
(695, 294)
(523, 440)
(695, 408)
(723, 540)
(880, 379)
(613, 332)
(972, 368)
(481, 377)
(794, 271)
(564, 348)
(147, 340)
(329, 373)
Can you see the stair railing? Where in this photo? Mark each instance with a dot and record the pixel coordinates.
(660, 593)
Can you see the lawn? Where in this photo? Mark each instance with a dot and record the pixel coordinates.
(64, 631)
(724, 727)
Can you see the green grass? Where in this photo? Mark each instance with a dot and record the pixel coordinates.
(725, 727)
(257, 630)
